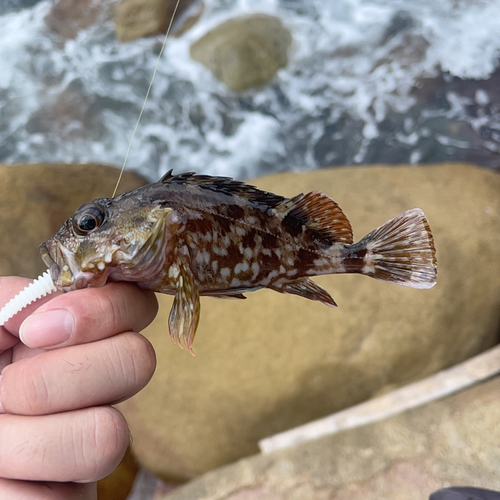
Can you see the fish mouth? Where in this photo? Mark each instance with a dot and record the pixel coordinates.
(53, 268)
(63, 268)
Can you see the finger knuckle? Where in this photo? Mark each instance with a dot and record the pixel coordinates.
(108, 437)
(138, 360)
(25, 388)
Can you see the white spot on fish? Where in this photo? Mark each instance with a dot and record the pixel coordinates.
(255, 269)
(272, 274)
(240, 231)
(215, 265)
(277, 251)
(235, 282)
(220, 251)
(266, 251)
(173, 272)
(101, 266)
(368, 260)
(319, 263)
(292, 272)
(225, 272)
(252, 220)
(202, 257)
(248, 253)
(241, 267)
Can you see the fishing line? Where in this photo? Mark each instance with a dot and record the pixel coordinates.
(146, 98)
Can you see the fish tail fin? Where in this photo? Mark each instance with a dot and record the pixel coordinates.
(401, 251)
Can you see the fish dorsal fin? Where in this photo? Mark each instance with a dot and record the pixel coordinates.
(224, 186)
(318, 213)
(167, 176)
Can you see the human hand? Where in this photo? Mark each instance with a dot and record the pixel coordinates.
(58, 432)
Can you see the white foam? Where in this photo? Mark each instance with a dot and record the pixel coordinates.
(344, 69)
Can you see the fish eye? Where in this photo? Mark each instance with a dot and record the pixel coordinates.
(88, 218)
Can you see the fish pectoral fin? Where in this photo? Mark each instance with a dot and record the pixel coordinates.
(318, 213)
(185, 313)
(307, 288)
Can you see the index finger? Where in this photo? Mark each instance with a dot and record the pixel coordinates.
(87, 315)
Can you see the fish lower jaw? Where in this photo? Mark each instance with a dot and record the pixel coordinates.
(83, 279)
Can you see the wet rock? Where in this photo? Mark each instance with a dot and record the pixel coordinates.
(449, 442)
(37, 199)
(139, 18)
(245, 52)
(67, 17)
(273, 362)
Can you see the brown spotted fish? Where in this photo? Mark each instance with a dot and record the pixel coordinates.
(190, 235)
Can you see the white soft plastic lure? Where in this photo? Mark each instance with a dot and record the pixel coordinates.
(41, 287)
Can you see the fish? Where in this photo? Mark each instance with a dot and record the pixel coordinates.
(192, 235)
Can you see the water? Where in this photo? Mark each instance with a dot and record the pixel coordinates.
(369, 81)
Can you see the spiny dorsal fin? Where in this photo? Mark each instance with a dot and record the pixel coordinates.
(225, 186)
(320, 214)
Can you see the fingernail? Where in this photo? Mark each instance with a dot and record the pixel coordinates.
(47, 329)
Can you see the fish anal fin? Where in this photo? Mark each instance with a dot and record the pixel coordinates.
(185, 313)
(318, 213)
(228, 296)
(305, 287)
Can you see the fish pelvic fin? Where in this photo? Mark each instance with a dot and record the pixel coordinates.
(185, 313)
(401, 251)
(320, 215)
(307, 288)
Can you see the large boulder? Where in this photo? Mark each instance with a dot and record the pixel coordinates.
(37, 199)
(244, 52)
(273, 362)
(405, 457)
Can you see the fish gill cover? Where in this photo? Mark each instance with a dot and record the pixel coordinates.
(368, 81)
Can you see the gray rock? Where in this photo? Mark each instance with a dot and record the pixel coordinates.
(140, 18)
(244, 52)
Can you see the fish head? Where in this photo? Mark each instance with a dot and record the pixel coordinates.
(107, 240)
